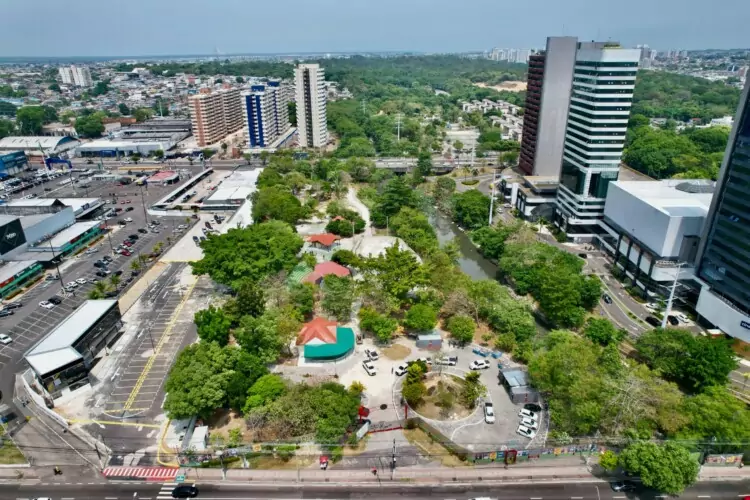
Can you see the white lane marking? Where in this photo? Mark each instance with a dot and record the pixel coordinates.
(576, 498)
(704, 496)
(535, 498)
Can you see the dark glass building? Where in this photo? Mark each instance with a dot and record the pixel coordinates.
(724, 255)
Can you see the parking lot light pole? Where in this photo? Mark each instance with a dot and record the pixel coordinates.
(143, 202)
(57, 265)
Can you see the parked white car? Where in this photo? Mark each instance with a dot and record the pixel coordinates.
(489, 413)
(530, 423)
(47, 305)
(371, 354)
(401, 369)
(128, 219)
(479, 364)
(4, 339)
(526, 432)
(524, 413)
(71, 284)
(91, 251)
(369, 368)
(448, 360)
(81, 281)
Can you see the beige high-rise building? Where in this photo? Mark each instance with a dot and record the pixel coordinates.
(312, 126)
(215, 115)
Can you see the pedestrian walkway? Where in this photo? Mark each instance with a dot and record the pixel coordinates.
(166, 491)
(148, 473)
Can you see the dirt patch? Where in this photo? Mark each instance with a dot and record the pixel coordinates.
(481, 333)
(442, 401)
(510, 86)
(271, 462)
(222, 421)
(432, 449)
(353, 451)
(396, 352)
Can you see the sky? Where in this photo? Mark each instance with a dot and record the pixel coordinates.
(172, 27)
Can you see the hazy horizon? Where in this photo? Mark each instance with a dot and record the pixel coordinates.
(45, 28)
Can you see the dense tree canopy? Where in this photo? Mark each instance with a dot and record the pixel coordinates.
(213, 325)
(667, 468)
(276, 203)
(471, 209)
(250, 253)
(694, 362)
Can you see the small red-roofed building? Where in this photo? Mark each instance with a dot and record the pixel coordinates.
(324, 241)
(324, 269)
(323, 340)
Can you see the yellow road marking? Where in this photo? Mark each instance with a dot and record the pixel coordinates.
(159, 448)
(110, 422)
(162, 341)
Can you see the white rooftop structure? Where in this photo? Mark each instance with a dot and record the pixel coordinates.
(123, 147)
(56, 350)
(230, 194)
(34, 144)
(10, 269)
(662, 218)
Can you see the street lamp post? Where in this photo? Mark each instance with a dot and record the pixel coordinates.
(668, 309)
(143, 202)
(492, 196)
(57, 266)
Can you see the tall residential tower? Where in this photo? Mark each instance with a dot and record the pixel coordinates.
(724, 253)
(266, 114)
(547, 100)
(602, 94)
(215, 114)
(311, 106)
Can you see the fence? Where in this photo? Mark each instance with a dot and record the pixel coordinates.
(723, 460)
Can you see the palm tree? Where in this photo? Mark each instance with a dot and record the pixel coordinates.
(135, 265)
(114, 280)
(100, 288)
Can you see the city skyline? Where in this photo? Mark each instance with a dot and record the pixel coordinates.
(335, 26)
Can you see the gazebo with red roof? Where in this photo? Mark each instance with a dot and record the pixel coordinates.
(324, 269)
(325, 240)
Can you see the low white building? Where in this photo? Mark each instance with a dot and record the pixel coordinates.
(653, 228)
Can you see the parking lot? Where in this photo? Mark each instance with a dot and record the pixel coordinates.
(31, 322)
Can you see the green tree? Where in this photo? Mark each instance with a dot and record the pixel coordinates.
(90, 126)
(380, 325)
(414, 388)
(266, 336)
(398, 272)
(603, 332)
(55, 88)
(143, 114)
(473, 389)
(716, 414)
(667, 468)
(29, 120)
(338, 296)
(250, 298)
(424, 164)
(6, 127)
(693, 362)
(458, 146)
(275, 203)
(420, 318)
(265, 390)
(443, 192)
(250, 253)
(247, 369)
(415, 229)
(124, 109)
(462, 328)
(292, 110)
(302, 297)
(396, 195)
(471, 209)
(609, 460)
(197, 382)
(213, 325)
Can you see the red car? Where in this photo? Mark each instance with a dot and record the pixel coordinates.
(126, 253)
(127, 201)
(127, 243)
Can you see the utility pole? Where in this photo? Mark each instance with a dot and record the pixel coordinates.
(492, 196)
(57, 265)
(671, 295)
(398, 127)
(393, 460)
(143, 203)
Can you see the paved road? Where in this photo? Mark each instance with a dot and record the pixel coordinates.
(387, 490)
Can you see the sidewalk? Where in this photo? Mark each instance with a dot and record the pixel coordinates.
(579, 473)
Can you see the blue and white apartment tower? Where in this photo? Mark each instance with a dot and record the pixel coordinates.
(266, 114)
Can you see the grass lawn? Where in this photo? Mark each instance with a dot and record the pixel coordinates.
(435, 451)
(9, 453)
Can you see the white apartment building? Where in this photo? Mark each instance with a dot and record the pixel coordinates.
(310, 86)
(266, 114)
(66, 75)
(602, 94)
(81, 76)
(215, 114)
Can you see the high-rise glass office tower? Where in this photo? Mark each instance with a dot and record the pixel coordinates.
(724, 253)
(602, 94)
